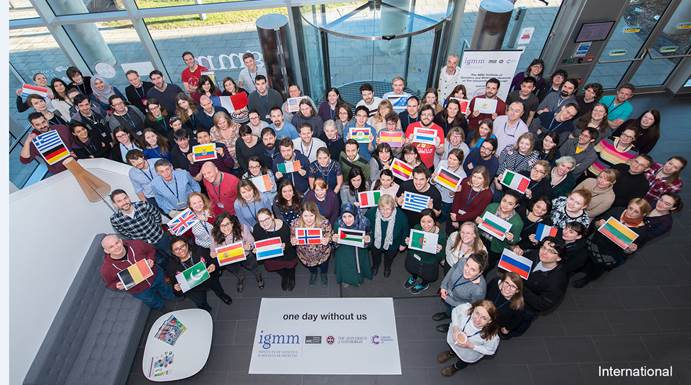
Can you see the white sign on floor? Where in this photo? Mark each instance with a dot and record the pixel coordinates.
(326, 336)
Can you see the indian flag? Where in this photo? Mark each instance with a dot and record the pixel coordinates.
(401, 169)
(544, 230)
(618, 233)
(262, 182)
(423, 241)
(268, 248)
(511, 261)
(351, 237)
(369, 198)
(232, 253)
(393, 138)
(447, 179)
(494, 225)
(288, 167)
(515, 181)
(192, 277)
(135, 274)
(203, 152)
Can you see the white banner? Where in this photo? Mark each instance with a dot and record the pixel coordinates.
(326, 336)
(479, 66)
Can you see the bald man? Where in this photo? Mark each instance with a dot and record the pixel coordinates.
(120, 255)
(508, 128)
(222, 188)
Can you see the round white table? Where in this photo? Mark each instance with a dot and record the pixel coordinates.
(165, 362)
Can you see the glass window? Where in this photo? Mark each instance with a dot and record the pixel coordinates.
(22, 9)
(72, 7)
(174, 3)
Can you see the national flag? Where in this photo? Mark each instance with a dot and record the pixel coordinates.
(447, 179)
(223, 101)
(203, 152)
(361, 134)
(135, 274)
(618, 233)
(494, 225)
(544, 230)
(239, 101)
(262, 182)
(192, 277)
(414, 202)
(268, 248)
(515, 181)
(398, 102)
(232, 253)
(393, 138)
(351, 237)
(511, 261)
(51, 147)
(369, 198)
(28, 89)
(401, 169)
(465, 103)
(308, 236)
(423, 241)
(294, 104)
(288, 167)
(182, 222)
(424, 135)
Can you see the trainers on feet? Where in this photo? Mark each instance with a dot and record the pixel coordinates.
(419, 288)
(409, 282)
(442, 315)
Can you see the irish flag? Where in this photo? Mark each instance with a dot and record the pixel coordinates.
(268, 248)
(494, 225)
(544, 230)
(351, 237)
(288, 167)
(262, 182)
(618, 233)
(230, 254)
(203, 152)
(447, 179)
(192, 277)
(135, 274)
(401, 169)
(369, 198)
(393, 138)
(423, 241)
(511, 261)
(515, 181)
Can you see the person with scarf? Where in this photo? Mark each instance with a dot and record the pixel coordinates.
(382, 159)
(464, 283)
(102, 91)
(352, 262)
(389, 226)
(326, 168)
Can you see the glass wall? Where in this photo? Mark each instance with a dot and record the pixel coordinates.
(22, 9)
(72, 7)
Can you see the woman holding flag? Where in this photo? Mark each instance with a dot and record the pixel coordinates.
(201, 207)
(270, 227)
(505, 210)
(452, 163)
(255, 169)
(352, 262)
(356, 184)
(313, 255)
(228, 230)
(423, 266)
(389, 226)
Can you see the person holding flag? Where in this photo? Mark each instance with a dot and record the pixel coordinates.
(314, 256)
(506, 210)
(424, 266)
(389, 225)
(426, 151)
(249, 202)
(286, 165)
(352, 262)
(228, 230)
(267, 227)
(40, 125)
(419, 184)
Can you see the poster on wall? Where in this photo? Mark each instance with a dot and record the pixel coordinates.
(478, 66)
(326, 336)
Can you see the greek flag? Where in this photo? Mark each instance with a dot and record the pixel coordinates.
(414, 202)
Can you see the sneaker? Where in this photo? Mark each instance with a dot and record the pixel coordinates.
(445, 356)
(419, 288)
(260, 281)
(313, 279)
(409, 282)
(449, 371)
(325, 280)
(442, 315)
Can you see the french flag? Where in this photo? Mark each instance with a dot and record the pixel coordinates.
(511, 261)
(544, 230)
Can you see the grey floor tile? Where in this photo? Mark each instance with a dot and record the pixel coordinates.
(664, 347)
(679, 296)
(584, 323)
(523, 350)
(547, 374)
(571, 349)
(673, 319)
(621, 348)
(632, 321)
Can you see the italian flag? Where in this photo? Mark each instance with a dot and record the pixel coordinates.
(515, 181)
(369, 198)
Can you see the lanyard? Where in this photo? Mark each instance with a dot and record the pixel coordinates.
(610, 105)
(560, 101)
(218, 191)
(552, 122)
(143, 94)
(128, 120)
(176, 193)
(514, 130)
(309, 151)
(149, 176)
(466, 324)
(456, 284)
(471, 197)
(497, 298)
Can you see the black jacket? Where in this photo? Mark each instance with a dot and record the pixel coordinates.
(544, 290)
(198, 253)
(506, 316)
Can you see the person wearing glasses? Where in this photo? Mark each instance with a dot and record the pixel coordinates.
(614, 151)
(506, 292)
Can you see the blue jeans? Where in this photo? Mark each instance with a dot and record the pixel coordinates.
(159, 291)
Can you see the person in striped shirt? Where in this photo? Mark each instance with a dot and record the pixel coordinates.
(613, 151)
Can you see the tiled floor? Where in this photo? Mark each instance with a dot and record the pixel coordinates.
(637, 315)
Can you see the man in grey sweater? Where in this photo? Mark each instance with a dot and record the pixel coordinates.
(582, 149)
(264, 99)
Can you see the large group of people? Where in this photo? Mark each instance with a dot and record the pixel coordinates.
(278, 169)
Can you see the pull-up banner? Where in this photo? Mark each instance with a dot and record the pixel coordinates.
(479, 66)
(326, 336)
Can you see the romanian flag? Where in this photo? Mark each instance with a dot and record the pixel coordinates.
(515, 181)
(308, 236)
(232, 253)
(28, 89)
(268, 248)
(361, 134)
(351, 237)
(203, 152)
(262, 182)
(511, 261)
(618, 233)
(544, 230)
(288, 167)
(424, 135)
(401, 169)
(447, 179)
(393, 138)
(369, 198)
(494, 225)
(51, 147)
(135, 274)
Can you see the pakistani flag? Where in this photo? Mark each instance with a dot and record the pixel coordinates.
(192, 277)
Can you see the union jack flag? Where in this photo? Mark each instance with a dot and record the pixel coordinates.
(182, 222)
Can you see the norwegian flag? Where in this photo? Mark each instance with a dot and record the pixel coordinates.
(182, 222)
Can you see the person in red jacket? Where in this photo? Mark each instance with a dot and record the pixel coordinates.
(426, 151)
(221, 187)
(120, 255)
(471, 200)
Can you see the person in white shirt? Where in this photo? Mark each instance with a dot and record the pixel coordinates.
(397, 96)
(307, 144)
(507, 128)
(449, 77)
(368, 99)
(250, 72)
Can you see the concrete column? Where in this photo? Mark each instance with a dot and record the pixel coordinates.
(273, 38)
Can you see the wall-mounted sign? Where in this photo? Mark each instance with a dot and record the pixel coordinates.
(632, 29)
(525, 36)
(617, 52)
(582, 49)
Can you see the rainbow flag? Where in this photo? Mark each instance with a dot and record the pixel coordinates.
(232, 253)
(351, 237)
(28, 89)
(268, 248)
(544, 230)
(511, 261)
(361, 134)
(135, 274)
(618, 233)
(401, 169)
(51, 147)
(515, 181)
(288, 167)
(262, 182)
(447, 179)
(393, 138)
(424, 135)
(369, 198)
(308, 236)
(494, 225)
(203, 152)
(192, 277)
(182, 222)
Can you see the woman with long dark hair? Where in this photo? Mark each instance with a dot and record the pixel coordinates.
(228, 230)
(647, 128)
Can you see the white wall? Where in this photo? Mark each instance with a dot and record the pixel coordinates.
(52, 225)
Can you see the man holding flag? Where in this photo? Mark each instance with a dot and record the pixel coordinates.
(419, 184)
(39, 125)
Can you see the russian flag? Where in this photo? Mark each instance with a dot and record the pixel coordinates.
(513, 262)
(544, 230)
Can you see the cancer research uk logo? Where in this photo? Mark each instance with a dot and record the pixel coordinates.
(377, 339)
